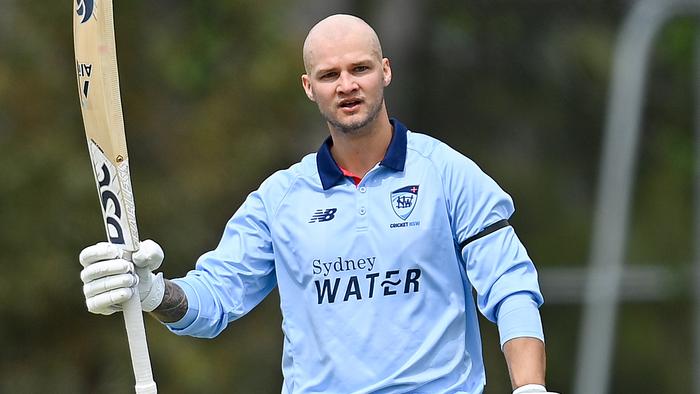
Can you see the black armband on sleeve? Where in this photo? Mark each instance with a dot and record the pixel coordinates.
(486, 231)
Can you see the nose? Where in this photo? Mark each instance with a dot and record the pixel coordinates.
(346, 83)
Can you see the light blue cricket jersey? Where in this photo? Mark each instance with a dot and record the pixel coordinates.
(375, 280)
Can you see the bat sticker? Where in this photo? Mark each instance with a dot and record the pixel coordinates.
(85, 9)
(84, 73)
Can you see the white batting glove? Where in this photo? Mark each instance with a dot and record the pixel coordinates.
(109, 280)
(532, 389)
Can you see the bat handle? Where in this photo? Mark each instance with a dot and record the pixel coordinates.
(136, 333)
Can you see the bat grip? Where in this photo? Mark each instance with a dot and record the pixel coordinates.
(136, 333)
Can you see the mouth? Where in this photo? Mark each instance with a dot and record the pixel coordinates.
(350, 104)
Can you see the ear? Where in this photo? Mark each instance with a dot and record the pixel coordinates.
(306, 84)
(386, 70)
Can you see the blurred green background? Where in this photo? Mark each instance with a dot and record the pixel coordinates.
(213, 105)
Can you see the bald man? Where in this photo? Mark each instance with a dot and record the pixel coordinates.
(377, 243)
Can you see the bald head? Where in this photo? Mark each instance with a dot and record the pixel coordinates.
(335, 29)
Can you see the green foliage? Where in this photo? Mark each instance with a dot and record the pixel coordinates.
(213, 105)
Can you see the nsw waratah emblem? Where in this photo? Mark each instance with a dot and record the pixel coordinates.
(403, 200)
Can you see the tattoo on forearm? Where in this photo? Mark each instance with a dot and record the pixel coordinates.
(174, 305)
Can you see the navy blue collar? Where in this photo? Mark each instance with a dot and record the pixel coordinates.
(395, 157)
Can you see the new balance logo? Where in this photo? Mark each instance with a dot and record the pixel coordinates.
(323, 215)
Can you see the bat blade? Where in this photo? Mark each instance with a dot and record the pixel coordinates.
(100, 102)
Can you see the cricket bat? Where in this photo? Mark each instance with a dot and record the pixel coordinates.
(100, 102)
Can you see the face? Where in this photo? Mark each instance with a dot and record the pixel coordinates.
(346, 79)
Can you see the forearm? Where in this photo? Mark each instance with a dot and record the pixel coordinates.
(174, 305)
(526, 361)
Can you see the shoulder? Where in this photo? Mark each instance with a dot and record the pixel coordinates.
(472, 196)
(439, 154)
(275, 188)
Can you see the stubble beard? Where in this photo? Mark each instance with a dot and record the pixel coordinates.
(355, 127)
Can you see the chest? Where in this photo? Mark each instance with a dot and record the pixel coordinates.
(387, 223)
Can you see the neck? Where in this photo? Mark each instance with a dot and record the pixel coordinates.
(360, 152)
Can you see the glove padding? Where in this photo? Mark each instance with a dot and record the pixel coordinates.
(532, 389)
(109, 280)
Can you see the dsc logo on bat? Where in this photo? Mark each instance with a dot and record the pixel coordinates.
(113, 211)
(110, 205)
(110, 190)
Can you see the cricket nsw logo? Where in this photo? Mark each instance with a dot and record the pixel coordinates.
(85, 9)
(404, 200)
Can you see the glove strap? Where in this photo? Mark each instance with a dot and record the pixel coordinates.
(155, 295)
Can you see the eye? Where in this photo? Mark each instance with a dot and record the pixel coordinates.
(360, 69)
(328, 76)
